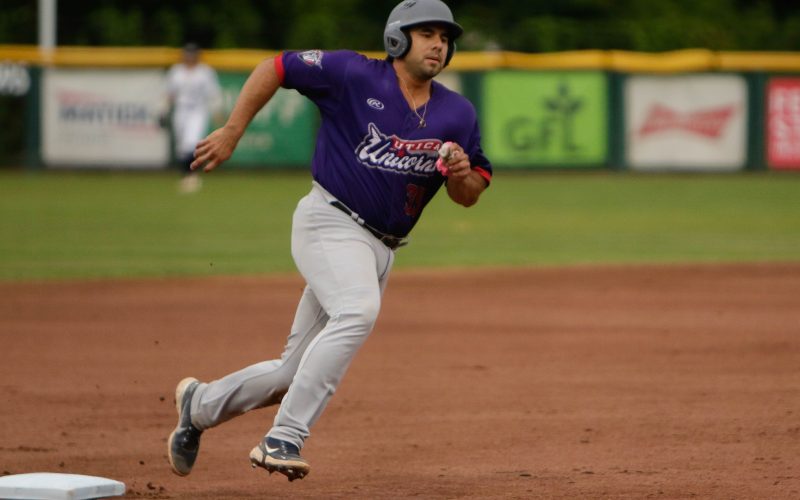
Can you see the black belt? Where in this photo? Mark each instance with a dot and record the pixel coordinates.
(390, 241)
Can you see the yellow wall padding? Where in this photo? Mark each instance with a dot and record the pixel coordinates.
(690, 60)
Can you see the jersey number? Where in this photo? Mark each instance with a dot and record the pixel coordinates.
(414, 196)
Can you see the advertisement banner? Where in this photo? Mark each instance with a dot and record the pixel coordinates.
(15, 79)
(544, 119)
(783, 123)
(103, 118)
(691, 122)
(281, 134)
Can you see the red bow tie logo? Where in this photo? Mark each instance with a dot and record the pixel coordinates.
(707, 123)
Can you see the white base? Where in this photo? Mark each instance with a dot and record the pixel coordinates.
(52, 486)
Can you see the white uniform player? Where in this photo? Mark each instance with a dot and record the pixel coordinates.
(194, 94)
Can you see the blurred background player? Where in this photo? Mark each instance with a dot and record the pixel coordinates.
(195, 97)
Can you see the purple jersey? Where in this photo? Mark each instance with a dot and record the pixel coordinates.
(370, 152)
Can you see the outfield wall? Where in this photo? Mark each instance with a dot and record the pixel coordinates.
(693, 110)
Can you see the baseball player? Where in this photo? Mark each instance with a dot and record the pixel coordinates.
(194, 94)
(374, 170)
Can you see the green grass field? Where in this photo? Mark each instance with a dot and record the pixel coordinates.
(57, 225)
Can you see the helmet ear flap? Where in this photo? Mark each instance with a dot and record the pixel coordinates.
(451, 50)
(396, 41)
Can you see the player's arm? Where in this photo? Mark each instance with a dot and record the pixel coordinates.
(259, 88)
(464, 184)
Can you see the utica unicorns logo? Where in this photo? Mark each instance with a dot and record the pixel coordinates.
(389, 152)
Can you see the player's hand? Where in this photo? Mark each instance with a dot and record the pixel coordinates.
(457, 163)
(214, 149)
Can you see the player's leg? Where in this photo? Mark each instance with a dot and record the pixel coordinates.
(262, 384)
(201, 406)
(347, 269)
(192, 127)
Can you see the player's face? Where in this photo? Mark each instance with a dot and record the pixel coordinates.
(428, 51)
(191, 58)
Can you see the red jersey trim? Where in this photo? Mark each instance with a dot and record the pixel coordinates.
(279, 68)
(485, 174)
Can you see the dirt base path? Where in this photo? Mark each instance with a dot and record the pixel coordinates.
(618, 382)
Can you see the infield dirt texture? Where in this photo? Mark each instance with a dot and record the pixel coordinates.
(579, 380)
(607, 382)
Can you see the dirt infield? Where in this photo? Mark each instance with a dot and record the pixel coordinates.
(615, 382)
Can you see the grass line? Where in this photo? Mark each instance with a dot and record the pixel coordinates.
(56, 225)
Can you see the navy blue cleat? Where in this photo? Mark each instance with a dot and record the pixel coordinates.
(279, 456)
(184, 442)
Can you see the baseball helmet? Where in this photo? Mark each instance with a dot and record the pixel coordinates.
(411, 13)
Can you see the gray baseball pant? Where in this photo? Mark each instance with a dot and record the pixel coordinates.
(346, 270)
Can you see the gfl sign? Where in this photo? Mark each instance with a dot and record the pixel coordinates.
(555, 119)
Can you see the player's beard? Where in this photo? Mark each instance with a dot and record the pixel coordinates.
(425, 70)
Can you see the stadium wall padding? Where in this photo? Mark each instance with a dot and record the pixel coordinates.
(688, 110)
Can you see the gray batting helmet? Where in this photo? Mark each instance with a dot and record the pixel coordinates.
(413, 13)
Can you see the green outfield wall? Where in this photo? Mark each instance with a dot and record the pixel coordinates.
(690, 110)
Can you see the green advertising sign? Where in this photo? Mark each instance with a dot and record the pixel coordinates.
(541, 119)
(281, 134)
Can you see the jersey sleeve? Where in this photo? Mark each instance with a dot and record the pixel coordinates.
(477, 157)
(318, 75)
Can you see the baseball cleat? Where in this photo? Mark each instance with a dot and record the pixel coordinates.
(279, 456)
(184, 442)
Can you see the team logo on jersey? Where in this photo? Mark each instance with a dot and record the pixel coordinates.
(375, 104)
(392, 153)
(311, 57)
